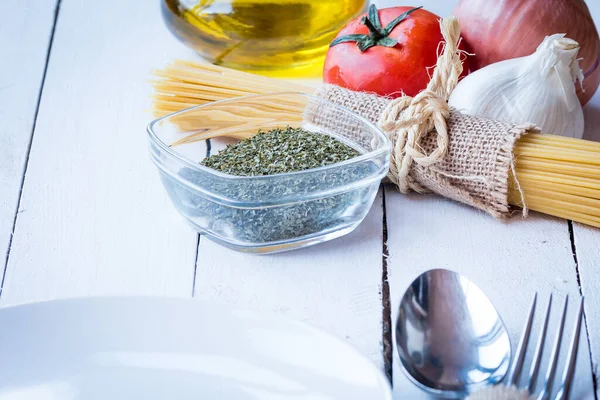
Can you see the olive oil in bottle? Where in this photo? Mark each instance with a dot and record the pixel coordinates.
(260, 34)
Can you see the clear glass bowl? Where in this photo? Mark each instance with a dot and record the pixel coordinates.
(266, 214)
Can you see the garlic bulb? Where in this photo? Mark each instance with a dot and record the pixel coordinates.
(533, 89)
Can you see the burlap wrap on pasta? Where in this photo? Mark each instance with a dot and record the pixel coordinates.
(476, 167)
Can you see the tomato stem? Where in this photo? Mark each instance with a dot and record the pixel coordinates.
(374, 32)
(378, 35)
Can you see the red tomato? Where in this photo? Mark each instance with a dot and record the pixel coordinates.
(387, 67)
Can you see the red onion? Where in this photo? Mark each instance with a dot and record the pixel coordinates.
(502, 29)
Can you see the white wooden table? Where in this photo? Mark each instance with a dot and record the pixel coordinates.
(82, 211)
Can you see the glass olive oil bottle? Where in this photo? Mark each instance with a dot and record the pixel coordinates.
(260, 34)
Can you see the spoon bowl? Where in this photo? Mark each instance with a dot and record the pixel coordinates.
(450, 339)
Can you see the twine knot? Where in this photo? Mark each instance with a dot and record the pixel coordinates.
(406, 120)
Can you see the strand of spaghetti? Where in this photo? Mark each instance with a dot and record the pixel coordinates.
(551, 140)
(559, 167)
(184, 99)
(529, 182)
(590, 205)
(540, 205)
(558, 178)
(217, 80)
(558, 209)
(240, 133)
(532, 151)
(559, 139)
(225, 73)
(280, 107)
(177, 87)
(564, 151)
(277, 106)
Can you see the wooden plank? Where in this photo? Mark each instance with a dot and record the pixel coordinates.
(508, 260)
(24, 38)
(335, 286)
(94, 218)
(587, 240)
(587, 245)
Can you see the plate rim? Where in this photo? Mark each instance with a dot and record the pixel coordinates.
(383, 382)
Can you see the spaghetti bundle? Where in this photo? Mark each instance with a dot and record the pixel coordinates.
(554, 175)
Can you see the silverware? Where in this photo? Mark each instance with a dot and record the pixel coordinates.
(567, 377)
(450, 338)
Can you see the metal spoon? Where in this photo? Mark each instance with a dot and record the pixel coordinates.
(449, 336)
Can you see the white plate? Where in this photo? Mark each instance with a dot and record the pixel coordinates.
(175, 349)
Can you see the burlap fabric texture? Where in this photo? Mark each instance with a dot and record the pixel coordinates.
(478, 159)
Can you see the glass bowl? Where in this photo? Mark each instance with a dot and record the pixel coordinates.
(272, 213)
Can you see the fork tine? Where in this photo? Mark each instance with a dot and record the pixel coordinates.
(537, 356)
(567, 377)
(515, 369)
(545, 393)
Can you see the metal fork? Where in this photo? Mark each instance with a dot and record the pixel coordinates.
(567, 377)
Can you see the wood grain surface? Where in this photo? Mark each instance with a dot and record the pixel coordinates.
(335, 286)
(510, 261)
(24, 45)
(93, 218)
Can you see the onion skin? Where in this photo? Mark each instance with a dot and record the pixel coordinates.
(502, 29)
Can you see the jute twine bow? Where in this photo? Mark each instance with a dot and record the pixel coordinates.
(406, 120)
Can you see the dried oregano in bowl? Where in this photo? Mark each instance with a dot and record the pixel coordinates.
(280, 151)
(284, 184)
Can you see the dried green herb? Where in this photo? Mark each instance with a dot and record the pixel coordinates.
(273, 152)
(279, 151)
